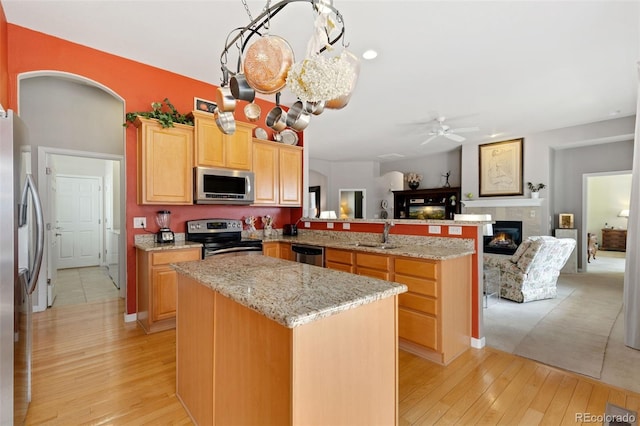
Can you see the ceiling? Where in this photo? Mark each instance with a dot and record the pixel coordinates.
(511, 68)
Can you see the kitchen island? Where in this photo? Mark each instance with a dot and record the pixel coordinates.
(267, 341)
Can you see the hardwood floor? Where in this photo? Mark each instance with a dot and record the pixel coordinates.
(89, 367)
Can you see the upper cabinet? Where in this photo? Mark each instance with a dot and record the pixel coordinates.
(278, 174)
(215, 149)
(165, 163)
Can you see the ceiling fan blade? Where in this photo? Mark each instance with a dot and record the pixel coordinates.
(465, 129)
(454, 137)
(429, 140)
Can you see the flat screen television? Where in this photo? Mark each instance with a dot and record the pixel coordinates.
(427, 212)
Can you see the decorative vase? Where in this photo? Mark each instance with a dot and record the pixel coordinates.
(535, 194)
(414, 185)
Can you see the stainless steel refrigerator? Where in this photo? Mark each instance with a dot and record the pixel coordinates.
(21, 248)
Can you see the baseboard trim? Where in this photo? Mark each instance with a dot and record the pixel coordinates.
(477, 343)
(130, 317)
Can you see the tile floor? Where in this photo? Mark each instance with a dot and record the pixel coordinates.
(84, 285)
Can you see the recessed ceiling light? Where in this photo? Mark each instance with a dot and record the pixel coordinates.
(369, 54)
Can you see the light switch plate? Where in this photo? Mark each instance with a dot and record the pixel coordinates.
(455, 230)
(434, 229)
(329, 225)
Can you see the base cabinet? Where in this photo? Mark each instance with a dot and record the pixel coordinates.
(341, 260)
(434, 316)
(157, 286)
(238, 367)
(278, 249)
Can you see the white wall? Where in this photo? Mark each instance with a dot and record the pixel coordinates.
(431, 168)
(538, 158)
(607, 195)
(347, 175)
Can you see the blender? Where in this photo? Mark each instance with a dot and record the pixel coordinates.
(164, 235)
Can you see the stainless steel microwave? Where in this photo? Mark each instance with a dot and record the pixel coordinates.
(221, 186)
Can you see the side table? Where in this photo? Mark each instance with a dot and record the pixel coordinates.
(491, 283)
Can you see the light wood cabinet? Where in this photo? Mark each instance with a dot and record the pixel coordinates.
(165, 163)
(215, 149)
(281, 250)
(341, 260)
(157, 286)
(374, 265)
(434, 316)
(278, 174)
(235, 366)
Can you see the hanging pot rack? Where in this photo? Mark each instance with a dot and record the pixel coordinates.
(239, 38)
(264, 20)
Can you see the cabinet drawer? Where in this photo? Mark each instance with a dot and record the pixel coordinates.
(340, 267)
(416, 268)
(419, 303)
(418, 285)
(339, 256)
(174, 256)
(373, 261)
(418, 328)
(373, 273)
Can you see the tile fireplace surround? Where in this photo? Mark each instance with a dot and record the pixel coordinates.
(527, 210)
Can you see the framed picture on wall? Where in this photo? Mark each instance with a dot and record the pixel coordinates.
(565, 220)
(204, 105)
(501, 165)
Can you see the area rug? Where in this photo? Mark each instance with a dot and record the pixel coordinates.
(574, 334)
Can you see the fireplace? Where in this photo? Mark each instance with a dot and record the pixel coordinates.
(507, 236)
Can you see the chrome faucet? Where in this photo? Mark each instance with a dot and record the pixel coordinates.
(385, 233)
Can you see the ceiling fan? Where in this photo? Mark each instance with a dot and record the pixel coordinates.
(441, 129)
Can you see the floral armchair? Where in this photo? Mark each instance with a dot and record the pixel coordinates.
(532, 272)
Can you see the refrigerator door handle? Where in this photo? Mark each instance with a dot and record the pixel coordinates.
(30, 187)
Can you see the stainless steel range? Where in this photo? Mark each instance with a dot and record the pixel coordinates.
(221, 237)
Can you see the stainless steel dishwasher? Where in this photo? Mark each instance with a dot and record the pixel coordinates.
(312, 255)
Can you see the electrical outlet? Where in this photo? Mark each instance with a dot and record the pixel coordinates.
(139, 222)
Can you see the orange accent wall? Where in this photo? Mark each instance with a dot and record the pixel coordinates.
(139, 85)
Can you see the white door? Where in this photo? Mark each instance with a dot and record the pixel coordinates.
(53, 237)
(78, 221)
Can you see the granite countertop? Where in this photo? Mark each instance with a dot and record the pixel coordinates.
(398, 248)
(289, 293)
(178, 244)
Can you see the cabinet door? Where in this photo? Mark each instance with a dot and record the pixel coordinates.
(290, 176)
(285, 251)
(238, 151)
(209, 141)
(270, 249)
(165, 286)
(418, 328)
(265, 168)
(165, 159)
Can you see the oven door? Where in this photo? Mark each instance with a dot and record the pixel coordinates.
(232, 251)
